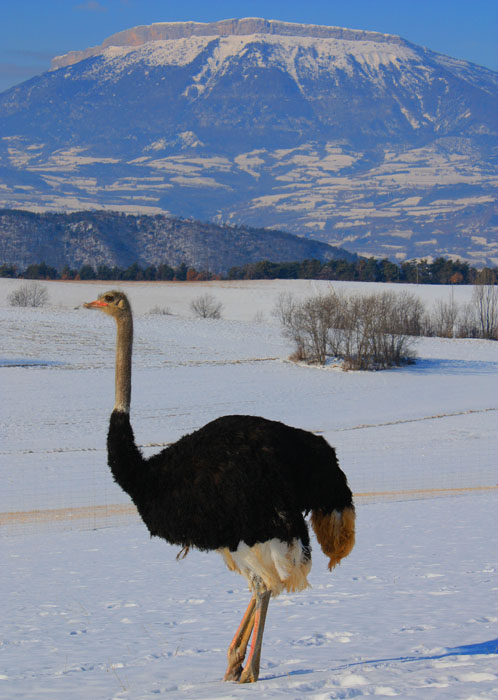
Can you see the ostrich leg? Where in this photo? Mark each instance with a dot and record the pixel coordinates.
(250, 673)
(238, 647)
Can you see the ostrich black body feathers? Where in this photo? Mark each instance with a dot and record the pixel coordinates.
(237, 479)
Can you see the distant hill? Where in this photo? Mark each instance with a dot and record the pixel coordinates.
(112, 238)
(355, 138)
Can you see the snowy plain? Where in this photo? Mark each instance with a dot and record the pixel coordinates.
(107, 612)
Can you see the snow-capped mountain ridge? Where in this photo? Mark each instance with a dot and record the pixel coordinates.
(180, 43)
(289, 54)
(359, 139)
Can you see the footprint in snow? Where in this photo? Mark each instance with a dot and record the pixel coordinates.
(317, 640)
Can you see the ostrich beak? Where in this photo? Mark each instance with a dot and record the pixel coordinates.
(97, 304)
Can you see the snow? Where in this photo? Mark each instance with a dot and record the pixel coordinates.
(111, 614)
(106, 612)
(330, 54)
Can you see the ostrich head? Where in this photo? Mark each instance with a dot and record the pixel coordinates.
(114, 303)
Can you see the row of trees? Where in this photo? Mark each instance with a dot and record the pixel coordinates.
(439, 271)
(478, 319)
(163, 272)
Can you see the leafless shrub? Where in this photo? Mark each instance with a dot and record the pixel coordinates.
(161, 311)
(314, 318)
(308, 323)
(381, 330)
(284, 309)
(206, 306)
(366, 331)
(29, 294)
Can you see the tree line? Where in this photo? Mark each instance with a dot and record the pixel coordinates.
(438, 271)
(151, 273)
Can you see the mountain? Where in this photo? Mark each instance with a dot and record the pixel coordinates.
(354, 138)
(114, 239)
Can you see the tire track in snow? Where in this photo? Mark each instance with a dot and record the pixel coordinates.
(437, 416)
(362, 426)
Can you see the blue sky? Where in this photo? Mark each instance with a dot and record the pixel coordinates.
(32, 31)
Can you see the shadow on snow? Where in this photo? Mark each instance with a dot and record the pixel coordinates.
(447, 366)
(479, 649)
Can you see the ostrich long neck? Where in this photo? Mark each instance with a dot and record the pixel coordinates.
(123, 456)
(124, 345)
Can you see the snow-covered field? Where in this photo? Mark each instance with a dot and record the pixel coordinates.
(108, 612)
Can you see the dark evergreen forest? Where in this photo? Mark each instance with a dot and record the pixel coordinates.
(439, 271)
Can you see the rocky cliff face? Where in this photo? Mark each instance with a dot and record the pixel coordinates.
(163, 31)
(355, 138)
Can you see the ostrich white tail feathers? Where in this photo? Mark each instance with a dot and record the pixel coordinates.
(282, 566)
(335, 533)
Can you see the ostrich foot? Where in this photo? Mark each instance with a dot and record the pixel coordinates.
(233, 672)
(250, 674)
(238, 647)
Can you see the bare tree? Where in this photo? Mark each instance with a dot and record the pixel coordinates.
(468, 324)
(444, 317)
(206, 306)
(308, 324)
(284, 308)
(29, 294)
(285, 311)
(485, 303)
(402, 324)
(314, 318)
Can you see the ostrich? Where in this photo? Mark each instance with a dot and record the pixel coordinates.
(240, 485)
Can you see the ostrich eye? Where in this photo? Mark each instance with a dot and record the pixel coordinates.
(109, 298)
